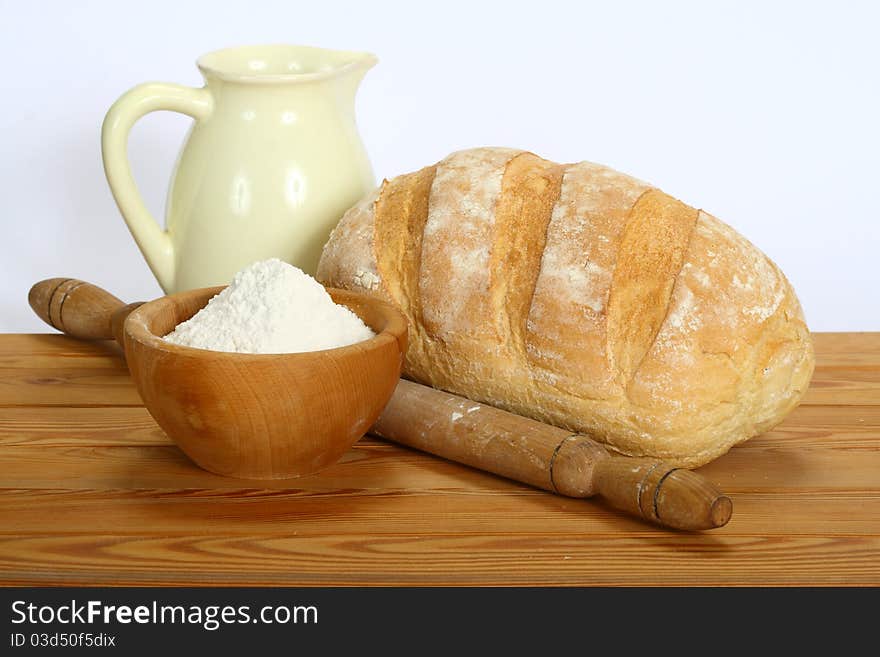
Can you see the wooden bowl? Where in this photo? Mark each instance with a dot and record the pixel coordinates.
(263, 416)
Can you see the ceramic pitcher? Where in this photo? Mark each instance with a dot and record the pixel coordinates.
(271, 163)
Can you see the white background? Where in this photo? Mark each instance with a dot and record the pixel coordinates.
(764, 114)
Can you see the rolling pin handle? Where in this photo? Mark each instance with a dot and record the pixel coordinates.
(75, 307)
(665, 495)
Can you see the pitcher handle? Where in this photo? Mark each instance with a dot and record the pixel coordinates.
(154, 242)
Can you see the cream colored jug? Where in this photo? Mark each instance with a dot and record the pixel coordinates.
(271, 163)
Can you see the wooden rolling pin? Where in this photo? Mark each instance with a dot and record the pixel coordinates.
(548, 457)
(461, 430)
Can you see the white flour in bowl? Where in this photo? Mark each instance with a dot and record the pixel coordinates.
(271, 307)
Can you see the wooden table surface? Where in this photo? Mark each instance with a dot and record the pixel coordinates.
(92, 492)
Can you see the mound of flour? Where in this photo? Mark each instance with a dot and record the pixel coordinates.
(271, 307)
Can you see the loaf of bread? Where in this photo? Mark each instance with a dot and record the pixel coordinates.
(581, 297)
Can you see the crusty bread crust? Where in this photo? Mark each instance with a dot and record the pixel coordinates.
(581, 297)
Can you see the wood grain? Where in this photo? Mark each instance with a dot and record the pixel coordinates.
(367, 465)
(449, 559)
(92, 492)
(304, 511)
(60, 426)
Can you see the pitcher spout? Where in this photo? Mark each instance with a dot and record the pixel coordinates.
(274, 64)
